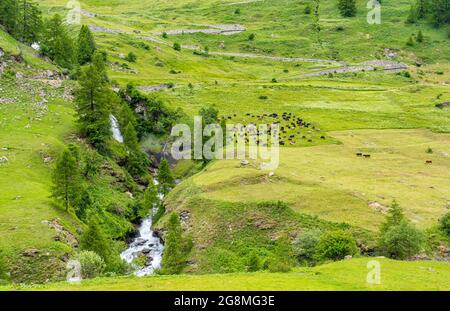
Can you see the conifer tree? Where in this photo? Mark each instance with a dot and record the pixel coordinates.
(86, 46)
(130, 137)
(66, 180)
(9, 11)
(165, 178)
(29, 22)
(83, 205)
(93, 99)
(420, 36)
(347, 8)
(173, 257)
(394, 217)
(57, 43)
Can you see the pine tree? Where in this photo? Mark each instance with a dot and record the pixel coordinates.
(410, 41)
(420, 37)
(421, 8)
(173, 257)
(9, 11)
(93, 99)
(57, 43)
(86, 46)
(130, 137)
(29, 22)
(440, 12)
(394, 217)
(93, 239)
(165, 178)
(347, 8)
(83, 205)
(66, 180)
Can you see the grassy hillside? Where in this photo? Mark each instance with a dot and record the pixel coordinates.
(344, 275)
(232, 210)
(36, 120)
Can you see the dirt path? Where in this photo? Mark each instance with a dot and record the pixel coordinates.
(219, 29)
(242, 2)
(372, 65)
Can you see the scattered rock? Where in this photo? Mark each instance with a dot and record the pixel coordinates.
(378, 207)
(348, 257)
(30, 252)
(47, 159)
(62, 234)
(88, 14)
(129, 194)
(19, 75)
(184, 216)
(245, 162)
(4, 159)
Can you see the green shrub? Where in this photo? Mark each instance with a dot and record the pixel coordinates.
(164, 35)
(347, 7)
(177, 46)
(92, 265)
(445, 223)
(429, 150)
(253, 262)
(305, 247)
(251, 37)
(281, 259)
(94, 239)
(131, 57)
(336, 245)
(401, 241)
(307, 10)
(420, 37)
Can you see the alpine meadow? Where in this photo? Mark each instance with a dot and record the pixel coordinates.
(224, 145)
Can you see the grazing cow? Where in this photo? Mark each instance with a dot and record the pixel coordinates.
(429, 162)
(309, 140)
(367, 156)
(359, 154)
(322, 137)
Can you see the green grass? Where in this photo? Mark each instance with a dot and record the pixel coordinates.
(344, 275)
(324, 183)
(330, 181)
(25, 178)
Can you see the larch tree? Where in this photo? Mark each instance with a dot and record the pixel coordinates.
(93, 100)
(85, 46)
(56, 42)
(165, 178)
(66, 180)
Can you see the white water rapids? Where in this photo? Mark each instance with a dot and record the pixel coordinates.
(117, 135)
(146, 243)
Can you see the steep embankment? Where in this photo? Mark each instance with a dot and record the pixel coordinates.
(37, 237)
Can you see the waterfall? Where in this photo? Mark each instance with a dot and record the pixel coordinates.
(117, 135)
(148, 244)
